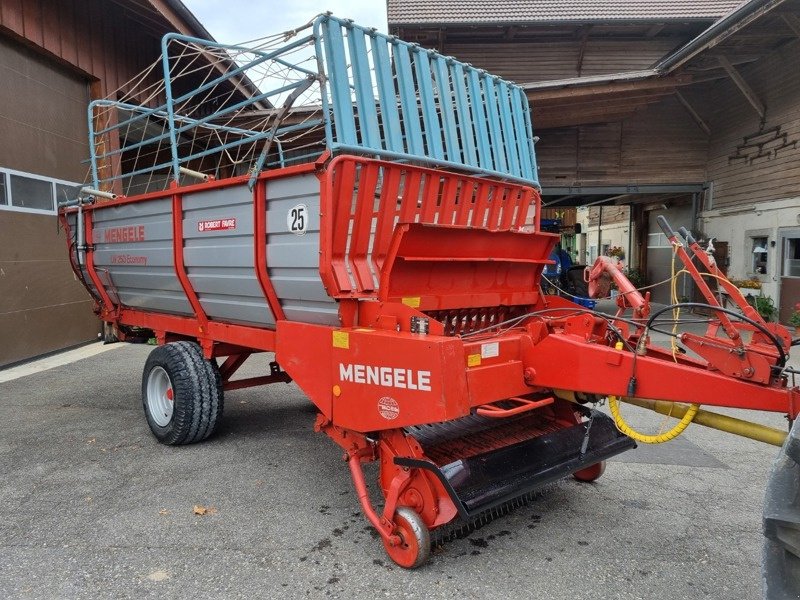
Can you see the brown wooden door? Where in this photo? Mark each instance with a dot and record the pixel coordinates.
(721, 256)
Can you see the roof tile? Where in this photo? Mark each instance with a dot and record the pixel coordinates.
(407, 12)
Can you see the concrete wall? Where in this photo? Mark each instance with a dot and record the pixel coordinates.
(615, 233)
(765, 219)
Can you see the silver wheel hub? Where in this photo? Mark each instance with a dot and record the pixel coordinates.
(160, 396)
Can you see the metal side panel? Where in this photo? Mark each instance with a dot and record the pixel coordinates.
(293, 256)
(133, 256)
(219, 255)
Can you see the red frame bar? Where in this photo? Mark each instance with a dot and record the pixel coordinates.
(178, 262)
(387, 205)
(260, 244)
(362, 226)
(109, 307)
(240, 335)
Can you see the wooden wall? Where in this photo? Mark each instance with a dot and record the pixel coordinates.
(93, 37)
(526, 62)
(567, 214)
(611, 214)
(52, 52)
(659, 144)
(776, 81)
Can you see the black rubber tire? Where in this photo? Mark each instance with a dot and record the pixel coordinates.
(780, 568)
(198, 396)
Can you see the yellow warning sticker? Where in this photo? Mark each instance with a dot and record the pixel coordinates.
(473, 360)
(412, 301)
(341, 339)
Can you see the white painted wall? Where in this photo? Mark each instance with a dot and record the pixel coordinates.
(613, 234)
(738, 225)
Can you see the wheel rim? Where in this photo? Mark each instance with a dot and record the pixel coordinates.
(592, 473)
(415, 543)
(160, 396)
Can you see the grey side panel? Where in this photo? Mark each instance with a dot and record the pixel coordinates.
(293, 260)
(220, 259)
(133, 256)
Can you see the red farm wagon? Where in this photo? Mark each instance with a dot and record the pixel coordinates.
(368, 211)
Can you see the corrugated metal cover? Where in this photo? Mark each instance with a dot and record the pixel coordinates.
(402, 12)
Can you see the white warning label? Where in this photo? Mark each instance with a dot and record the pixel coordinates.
(490, 350)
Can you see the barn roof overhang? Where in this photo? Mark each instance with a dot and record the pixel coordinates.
(715, 53)
(710, 49)
(159, 17)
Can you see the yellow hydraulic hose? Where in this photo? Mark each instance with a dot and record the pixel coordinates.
(753, 431)
(622, 425)
(660, 438)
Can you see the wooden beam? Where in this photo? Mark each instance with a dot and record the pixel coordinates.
(654, 30)
(554, 121)
(765, 8)
(247, 90)
(163, 9)
(576, 103)
(577, 112)
(697, 118)
(650, 83)
(582, 51)
(743, 86)
(793, 22)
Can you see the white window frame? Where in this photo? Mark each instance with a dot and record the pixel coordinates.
(6, 174)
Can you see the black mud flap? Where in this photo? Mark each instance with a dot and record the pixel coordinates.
(781, 560)
(484, 463)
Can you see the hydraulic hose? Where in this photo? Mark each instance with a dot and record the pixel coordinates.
(772, 337)
(622, 425)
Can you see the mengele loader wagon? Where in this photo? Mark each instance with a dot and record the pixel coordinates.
(369, 211)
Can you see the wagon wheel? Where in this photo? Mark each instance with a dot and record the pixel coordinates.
(415, 540)
(182, 394)
(592, 473)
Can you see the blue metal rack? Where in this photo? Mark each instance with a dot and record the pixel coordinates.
(374, 94)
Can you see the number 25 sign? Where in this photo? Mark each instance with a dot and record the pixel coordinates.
(297, 219)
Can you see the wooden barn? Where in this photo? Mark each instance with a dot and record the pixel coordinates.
(56, 55)
(689, 108)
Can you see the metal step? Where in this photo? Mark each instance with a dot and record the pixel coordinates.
(484, 463)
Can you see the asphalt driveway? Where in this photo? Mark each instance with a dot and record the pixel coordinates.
(91, 506)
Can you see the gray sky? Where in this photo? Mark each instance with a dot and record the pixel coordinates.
(239, 20)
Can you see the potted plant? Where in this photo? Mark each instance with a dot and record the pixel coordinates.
(616, 252)
(765, 307)
(748, 287)
(794, 319)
